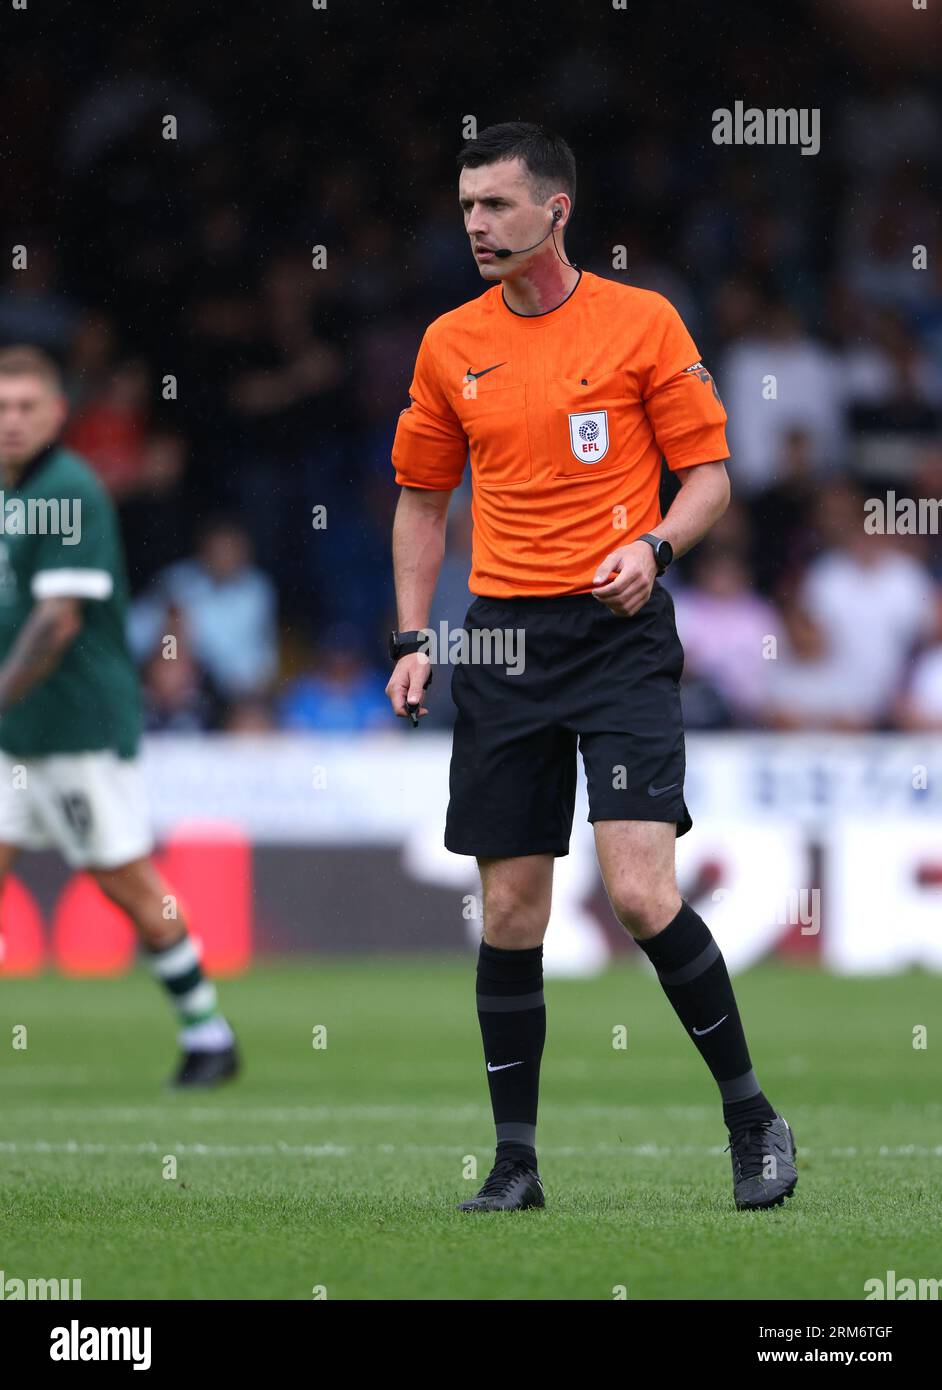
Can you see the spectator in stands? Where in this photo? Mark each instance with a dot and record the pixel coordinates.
(229, 608)
(725, 629)
(342, 693)
(773, 381)
(289, 399)
(807, 688)
(783, 515)
(926, 486)
(152, 516)
(900, 403)
(920, 706)
(177, 697)
(873, 605)
(92, 353)
(250, 717)
(32, 307)
(110, 429)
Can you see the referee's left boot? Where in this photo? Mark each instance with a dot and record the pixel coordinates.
(511, 1185)
(763, 1159)
(693, 975)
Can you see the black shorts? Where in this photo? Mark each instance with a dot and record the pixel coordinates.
(610, 682)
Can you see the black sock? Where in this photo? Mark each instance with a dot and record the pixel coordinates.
(694, 977)
(512, 1016)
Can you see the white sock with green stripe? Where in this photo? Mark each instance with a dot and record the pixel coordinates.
(194, 997)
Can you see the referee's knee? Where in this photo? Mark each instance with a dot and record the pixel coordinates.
(643, 909)
(513, 924)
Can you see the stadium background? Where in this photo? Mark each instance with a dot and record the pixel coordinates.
(303, 824)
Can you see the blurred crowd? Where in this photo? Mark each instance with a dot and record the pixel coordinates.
(240, 404)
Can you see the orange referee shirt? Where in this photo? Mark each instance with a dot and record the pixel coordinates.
(566, 416)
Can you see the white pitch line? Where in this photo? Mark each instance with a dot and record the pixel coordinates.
(150, 1146)
(301, 1114)
(164, 1112)
(329, 1150)
(173, 1114)
(30, 1072)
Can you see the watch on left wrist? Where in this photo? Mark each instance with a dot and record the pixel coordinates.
(663, 550)
(405, 643)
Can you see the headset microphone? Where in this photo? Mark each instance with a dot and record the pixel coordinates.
(506, 251)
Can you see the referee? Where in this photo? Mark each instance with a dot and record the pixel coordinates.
(568, 390)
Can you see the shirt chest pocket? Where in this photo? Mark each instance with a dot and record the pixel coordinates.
(588, 424)
(495, 421)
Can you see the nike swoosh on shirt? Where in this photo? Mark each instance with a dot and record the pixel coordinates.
(658, 791)
(700, 1031)
(504, 1065)
(474, 375)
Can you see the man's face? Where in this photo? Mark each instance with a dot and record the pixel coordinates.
(497, 202)
(32, 412)
(224, 552)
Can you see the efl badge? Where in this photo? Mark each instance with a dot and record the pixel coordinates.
(588, 435)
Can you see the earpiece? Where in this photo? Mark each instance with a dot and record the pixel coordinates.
(504, 251)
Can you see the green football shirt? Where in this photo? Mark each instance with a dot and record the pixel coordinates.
(59, 537)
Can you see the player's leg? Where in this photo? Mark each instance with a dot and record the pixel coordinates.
(636, 859)
(517, 896)
(20, 823)
(8, 855)
(141, 891)
(94, 807)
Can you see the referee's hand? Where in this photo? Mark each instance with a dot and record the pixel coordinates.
(625, 578)
(411, 674)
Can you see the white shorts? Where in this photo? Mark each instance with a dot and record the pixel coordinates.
(89, 806)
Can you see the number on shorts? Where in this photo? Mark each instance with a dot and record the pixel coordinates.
(78, 812)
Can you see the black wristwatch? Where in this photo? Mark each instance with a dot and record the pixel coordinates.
(663, 550)
(405, 643)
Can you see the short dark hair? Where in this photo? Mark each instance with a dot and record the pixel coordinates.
(547, 158)
(27, 360)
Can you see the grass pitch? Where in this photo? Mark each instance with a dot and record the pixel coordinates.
(338, 1168)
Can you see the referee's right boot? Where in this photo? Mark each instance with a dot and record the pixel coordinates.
(763, 1159)
(511, 1185)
